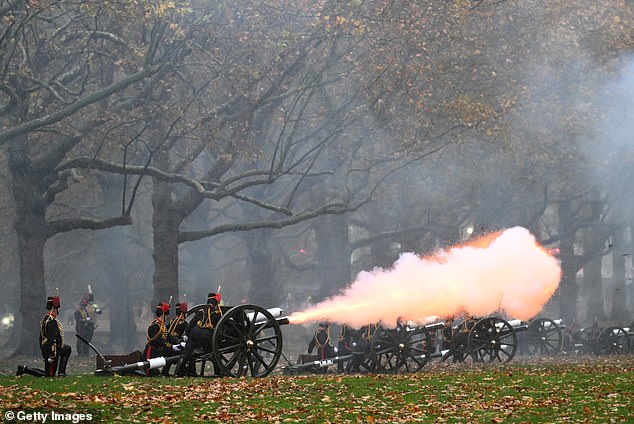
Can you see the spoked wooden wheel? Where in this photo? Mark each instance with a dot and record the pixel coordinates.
(543, 337)
(402, 349)
(613, 341)
(492, 339)
(247, 341)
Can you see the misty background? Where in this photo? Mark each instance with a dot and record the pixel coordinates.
(277, 149)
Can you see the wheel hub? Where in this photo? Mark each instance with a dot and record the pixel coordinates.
(250, 344)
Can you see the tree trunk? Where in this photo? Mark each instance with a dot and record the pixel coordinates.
(619, 307)
(264, 289)
(165, 226)
(567, 293)
(592, 277)
(30, 226)
(333, 254)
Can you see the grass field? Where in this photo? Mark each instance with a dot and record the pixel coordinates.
(570, 389)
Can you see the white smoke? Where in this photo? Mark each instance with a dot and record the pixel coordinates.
(513, 274)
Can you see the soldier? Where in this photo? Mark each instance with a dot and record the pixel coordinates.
(176, 329)
(85, 322)
(157, 342)
(54, 351)
(460, 340)
(362, 345)
(348, 340)
(200, 333)
(321, 340)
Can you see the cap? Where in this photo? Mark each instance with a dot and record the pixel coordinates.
(53, 302)
(162, 308)
(84, 300)
(211, 297)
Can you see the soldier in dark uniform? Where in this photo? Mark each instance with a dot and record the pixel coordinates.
(460, 339)
(347, 344)
(85, 322)
(157, 343)
(54, 352)
(321, 340)
(176, 329)
(200, 333)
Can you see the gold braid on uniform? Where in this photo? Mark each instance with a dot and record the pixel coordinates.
(327, 337)
(61, 331)
(171, 330)
(162, 332)
(206, 321)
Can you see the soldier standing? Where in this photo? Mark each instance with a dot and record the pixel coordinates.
(54, 352)
(200, 333)
(157, 342)
(85, 322)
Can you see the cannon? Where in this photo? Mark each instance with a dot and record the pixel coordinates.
(611, 340)
(246, 341)
(403, 349)
(486, 340)
(544, 336)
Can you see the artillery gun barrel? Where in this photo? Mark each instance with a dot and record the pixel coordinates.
(151, 363)
(278, 313)
(518, 325)
(321, 363)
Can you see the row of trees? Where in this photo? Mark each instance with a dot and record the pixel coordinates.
(349, 130)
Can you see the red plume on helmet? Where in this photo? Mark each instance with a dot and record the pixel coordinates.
(53, 302)
(213, 298)
(162, 308)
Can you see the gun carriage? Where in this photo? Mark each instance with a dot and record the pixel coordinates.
(247, 341)
(611, 340)
(378, 349)
(544, 336)
(485, 340)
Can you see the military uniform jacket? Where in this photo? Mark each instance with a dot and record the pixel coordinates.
(205, 318)
(84, 318)
(51, 336)
(157, 335)
(177, 326)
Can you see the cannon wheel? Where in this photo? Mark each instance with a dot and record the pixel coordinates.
(492, 339)
(247, 341)
(543, 337)
(613, 341)
(401, 349)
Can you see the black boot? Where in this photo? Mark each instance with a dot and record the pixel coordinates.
(61, 370)
(23, 369)
(180, 368)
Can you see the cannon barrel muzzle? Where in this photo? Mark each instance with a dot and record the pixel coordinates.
(150, 364)
(278, 313)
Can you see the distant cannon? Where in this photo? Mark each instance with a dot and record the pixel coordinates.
(611, 340)
(544, 336)
(403, 349)
(486, 340)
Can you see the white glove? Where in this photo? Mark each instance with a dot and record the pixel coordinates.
(176, 348)
(50, 360)
(185, 337)
(182, 345)
(336, 349)
(354, 344)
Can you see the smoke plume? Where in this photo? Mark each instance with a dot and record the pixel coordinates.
(507, 272)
